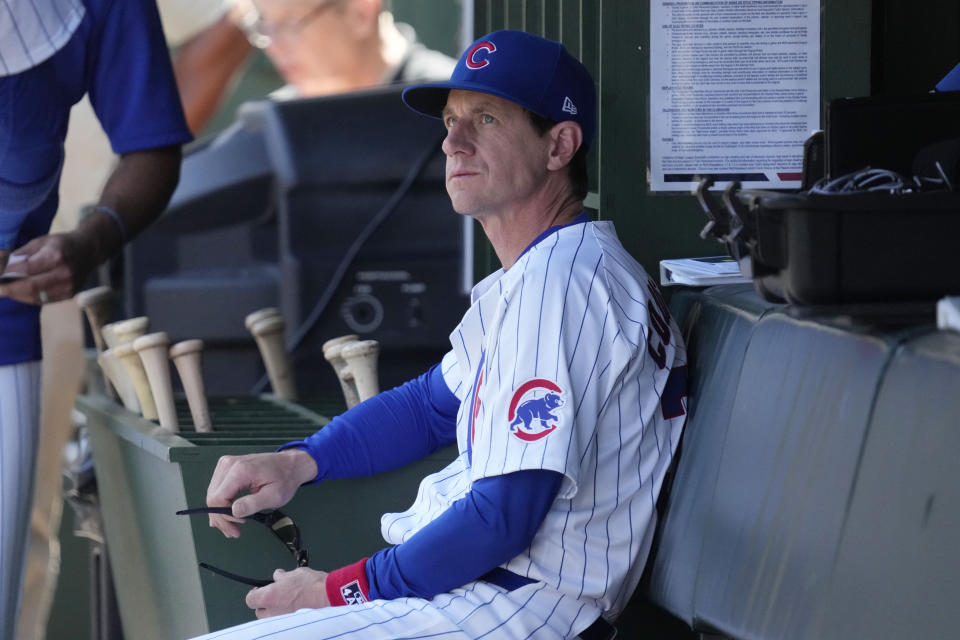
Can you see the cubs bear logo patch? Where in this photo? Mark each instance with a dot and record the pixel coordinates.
(531, 409)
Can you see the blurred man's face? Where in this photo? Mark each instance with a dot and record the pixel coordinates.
(310, 43)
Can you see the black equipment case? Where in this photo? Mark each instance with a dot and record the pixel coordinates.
(810, 248)
(865, 230)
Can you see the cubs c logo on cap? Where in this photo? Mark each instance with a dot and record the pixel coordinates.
(531, 409)
(477, 60)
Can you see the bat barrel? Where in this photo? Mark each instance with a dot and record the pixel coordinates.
(126, 331)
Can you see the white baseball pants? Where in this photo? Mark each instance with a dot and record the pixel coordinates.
(19, 436)
(477, 610)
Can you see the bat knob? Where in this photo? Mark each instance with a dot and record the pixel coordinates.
(124, 331)
(90, 298)
(186, 347)
(334, 342)
(149, 341)
(256, 316)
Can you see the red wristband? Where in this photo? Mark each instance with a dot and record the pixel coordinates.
(348, 585)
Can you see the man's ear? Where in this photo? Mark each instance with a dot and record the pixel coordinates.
(566, 137)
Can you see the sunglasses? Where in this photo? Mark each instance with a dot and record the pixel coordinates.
(262, 33)
(278, 522)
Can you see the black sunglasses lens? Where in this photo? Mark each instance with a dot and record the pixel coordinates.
(289, 534)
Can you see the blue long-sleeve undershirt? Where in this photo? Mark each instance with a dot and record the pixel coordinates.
(494, 522)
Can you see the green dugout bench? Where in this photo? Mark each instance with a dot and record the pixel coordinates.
(816, 492)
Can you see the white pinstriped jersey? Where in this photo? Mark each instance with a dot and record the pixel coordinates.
(562, 363)
(33, 30)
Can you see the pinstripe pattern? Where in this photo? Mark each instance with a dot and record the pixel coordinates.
(574, 311)
(613, 444)
(19, 434)
(33, 30)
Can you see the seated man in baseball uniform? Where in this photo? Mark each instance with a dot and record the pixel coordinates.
(563, 391)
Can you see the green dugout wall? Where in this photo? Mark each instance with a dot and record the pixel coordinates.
(868, 47)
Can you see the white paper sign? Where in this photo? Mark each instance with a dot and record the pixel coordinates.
(734, 91)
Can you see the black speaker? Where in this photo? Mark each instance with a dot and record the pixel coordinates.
(332, 209)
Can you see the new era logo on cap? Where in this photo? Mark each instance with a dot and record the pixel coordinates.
(568, 106)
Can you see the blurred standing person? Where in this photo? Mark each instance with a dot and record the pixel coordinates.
(52, 52)
(209, 53)
(322, 47)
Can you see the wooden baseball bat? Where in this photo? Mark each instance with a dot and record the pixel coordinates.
(186, 356)
(268, 332)
(138, 377)
(255, 316)
(115, 373)
(96, 307)
(106, 332)
(126, 331)
(153, 351)
(361, 358)
(331, 352)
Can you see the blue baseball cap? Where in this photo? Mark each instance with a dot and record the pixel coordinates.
(951, 81)
(535, 73)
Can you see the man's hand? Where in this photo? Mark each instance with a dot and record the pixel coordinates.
(270, 478)
(56, 266)
(301, 588)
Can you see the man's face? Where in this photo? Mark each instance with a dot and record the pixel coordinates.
(496, 160)
(308, 42)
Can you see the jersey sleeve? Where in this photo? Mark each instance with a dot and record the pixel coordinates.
(549, 366)
(386, 431)
(451, 374)
(130, 79)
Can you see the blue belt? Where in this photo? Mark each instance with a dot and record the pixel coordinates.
(599, 630)
(506, 579)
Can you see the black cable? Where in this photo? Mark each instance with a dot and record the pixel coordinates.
(385, 211)
(880, 180)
